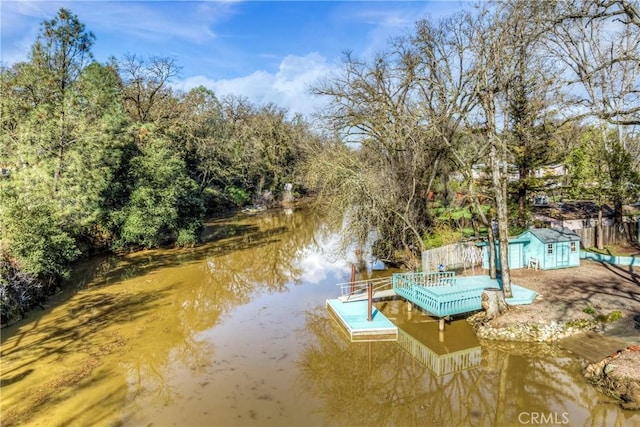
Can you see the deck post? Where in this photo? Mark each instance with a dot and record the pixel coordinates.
(441, 324)
(409, 306)
(369, 301)
(353, 278)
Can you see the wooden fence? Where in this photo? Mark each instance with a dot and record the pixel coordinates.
(612, 234)
(468, 255)
(457, 255)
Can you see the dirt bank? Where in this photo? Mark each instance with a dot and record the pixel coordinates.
(593, 296)
(618, 376)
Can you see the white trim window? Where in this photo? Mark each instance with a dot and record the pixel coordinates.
(549, 248)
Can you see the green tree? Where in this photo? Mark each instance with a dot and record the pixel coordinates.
(91, 179)
(34, 235)
(60, 53)
(602, 169)
(203, 136)
(531, 126)
(164, 203)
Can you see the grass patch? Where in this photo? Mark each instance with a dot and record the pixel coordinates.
(601, 317)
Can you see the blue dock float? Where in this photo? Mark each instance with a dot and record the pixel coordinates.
(352, 316)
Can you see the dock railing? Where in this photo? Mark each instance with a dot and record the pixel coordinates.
(437, 293)
(430, 278)
(360, 286)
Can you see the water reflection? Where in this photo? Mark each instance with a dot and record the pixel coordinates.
(130, 323)
(453, 380)
(235, 332)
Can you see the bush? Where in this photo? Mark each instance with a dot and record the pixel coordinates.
(163, 201)
(35, 239)
(238, 196)
(442, 236)
(187, 237)
(19, 291)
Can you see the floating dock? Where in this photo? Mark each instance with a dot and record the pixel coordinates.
(440, 294)
(352, 316)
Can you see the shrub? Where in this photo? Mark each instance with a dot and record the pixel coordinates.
(237, 195)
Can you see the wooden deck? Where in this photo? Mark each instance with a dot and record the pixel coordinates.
(443, 294)
(591, 346)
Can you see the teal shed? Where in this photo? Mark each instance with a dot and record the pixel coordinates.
(542, 248)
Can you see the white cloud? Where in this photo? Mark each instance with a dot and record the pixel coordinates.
(387, 21)
(142, 22)
(17, 26)
(287, 87)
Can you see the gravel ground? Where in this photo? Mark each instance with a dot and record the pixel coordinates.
(584, 292)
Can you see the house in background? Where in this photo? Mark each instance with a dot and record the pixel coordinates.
(574, 215)
(541, 248)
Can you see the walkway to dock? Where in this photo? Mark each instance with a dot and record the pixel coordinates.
(591, 346)
(357, 290)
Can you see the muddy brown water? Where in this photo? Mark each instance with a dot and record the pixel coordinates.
(235, 332)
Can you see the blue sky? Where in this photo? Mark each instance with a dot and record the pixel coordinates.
(268, 51)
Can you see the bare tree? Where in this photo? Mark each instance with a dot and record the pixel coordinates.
(447, 101)
(373, 107)
(496, 47)
(624, 11)
(598, 42)
(146, 86)
(601, 56)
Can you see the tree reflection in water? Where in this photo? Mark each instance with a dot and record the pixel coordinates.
(243, 258)
(173, 336)
(378, 383)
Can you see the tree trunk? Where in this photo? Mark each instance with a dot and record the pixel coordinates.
(492, 237)
(599, 230)
(523, 174)
(494, 303)
(492, 252)
(499, 186)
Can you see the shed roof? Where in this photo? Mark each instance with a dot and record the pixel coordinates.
(553, 235)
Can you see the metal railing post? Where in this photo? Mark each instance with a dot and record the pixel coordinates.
(369, 301)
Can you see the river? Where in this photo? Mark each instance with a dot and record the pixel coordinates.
(235, 332)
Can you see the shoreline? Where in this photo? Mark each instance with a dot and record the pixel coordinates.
(594, 302)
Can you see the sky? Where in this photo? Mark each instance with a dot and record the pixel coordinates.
(266, 51)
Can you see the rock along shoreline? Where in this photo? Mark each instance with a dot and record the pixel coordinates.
(617, 376)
